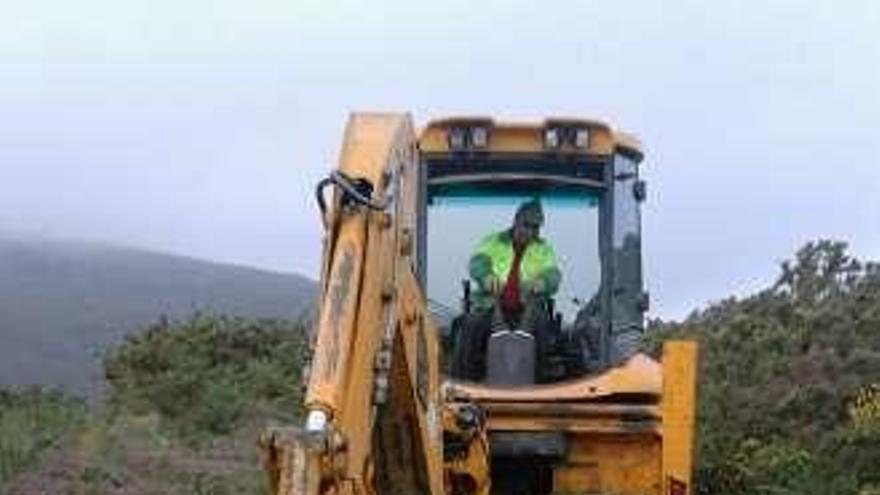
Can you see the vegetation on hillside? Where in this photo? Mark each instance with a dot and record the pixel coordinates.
(209, 373)
(185, 404)
(31, 421)
(789, 400)
(789, 396)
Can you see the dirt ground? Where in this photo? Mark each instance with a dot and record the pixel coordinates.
(130, 459)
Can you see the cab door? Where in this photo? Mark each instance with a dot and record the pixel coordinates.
(628, 299)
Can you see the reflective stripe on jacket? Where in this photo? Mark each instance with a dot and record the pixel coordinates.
(494, 255)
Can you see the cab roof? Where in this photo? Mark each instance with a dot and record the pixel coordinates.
(524, 137)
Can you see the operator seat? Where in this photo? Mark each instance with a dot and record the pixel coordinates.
(510, 355)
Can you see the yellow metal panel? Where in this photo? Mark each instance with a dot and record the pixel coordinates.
(573, 417)
(514, 137)
(369, 144)
(679, 400)
(573, 409)
(611, 464)
(369, 286)
(638, 375)
(628, 142)
(577, 478)
(423, 370)
(571, 425)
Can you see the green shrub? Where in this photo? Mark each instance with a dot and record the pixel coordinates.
(783, 373)
(32, 420)
(205, 374)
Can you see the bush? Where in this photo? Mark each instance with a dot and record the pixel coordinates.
(203, 375)
(32, 420)
(783, 406)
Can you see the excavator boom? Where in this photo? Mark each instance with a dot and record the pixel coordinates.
(373, 395)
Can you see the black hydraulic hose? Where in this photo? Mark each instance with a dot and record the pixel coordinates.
(350, 190)
(319, 194)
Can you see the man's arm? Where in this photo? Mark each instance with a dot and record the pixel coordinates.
(481, 270)
(480, 266)
(549, 276)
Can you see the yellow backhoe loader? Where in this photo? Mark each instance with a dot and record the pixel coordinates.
(571, 407)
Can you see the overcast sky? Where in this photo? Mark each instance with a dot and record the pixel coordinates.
(200, 127)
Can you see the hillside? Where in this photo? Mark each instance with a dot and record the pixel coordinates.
(186, 401)
(62, 303)
(789, 398)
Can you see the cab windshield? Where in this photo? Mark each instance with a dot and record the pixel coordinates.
(460, 216)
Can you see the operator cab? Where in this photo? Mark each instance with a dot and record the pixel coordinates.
(477, 174)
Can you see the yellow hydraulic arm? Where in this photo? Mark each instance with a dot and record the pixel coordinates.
(373, 395)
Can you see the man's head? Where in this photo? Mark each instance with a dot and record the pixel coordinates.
(527, 223)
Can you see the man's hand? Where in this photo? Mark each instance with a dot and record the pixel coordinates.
(534, 287)
(492, 285)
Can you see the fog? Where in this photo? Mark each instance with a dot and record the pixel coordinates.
(201, 127)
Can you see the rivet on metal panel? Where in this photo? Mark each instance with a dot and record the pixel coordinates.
(337, 442)
(385, 220)
(380, 389)
(388, 292)
(411, 317)
(406, 241)
(383, 360)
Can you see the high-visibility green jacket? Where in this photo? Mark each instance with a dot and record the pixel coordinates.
(494, 255)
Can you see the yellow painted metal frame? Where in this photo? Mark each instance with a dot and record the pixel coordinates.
(527, 137)
(630, 428)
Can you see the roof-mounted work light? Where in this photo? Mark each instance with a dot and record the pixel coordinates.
(463, 138)
(557, 137)
(581, 138)
(552, 138)
(457, 138)
(479, 137)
